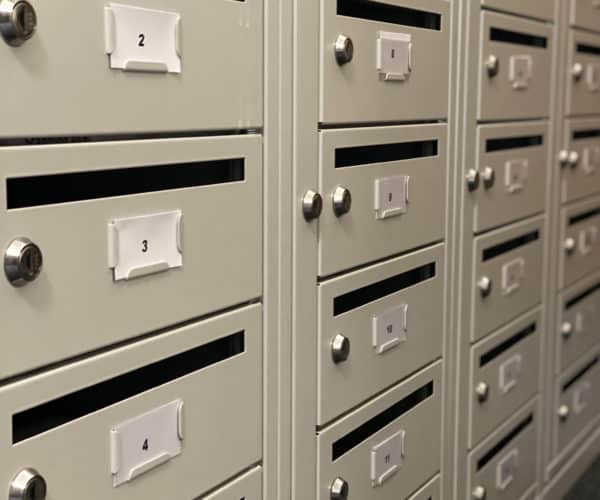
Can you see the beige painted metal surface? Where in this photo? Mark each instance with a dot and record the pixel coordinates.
(583, 74)
(383, 291)
(431, 491)
(414, 156)
(245, 487)
(580, 177)
(585, 14)
(539, 9)
(76, 291)
(216, 445)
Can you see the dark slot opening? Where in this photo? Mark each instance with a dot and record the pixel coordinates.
(588, 49)
(394, 14)
(513, 143)
(507, 246)
(40, 190)
(380, 153)
(582, 295)
(370, 293)
(378, 422)
(580, 373)
(504, 442)
(47, 416)
(583, 216)
(506, 345)
(586, 134)
(507, 36)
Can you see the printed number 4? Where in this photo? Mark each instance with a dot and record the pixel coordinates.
(145, 445)
(141, 40)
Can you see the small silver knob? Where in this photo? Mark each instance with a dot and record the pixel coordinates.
(563, 412)
(22, 262)
(344, 49)
(342, 201)
(339, 489)
(312, 205)
(483, 391)
(492, 65)
(340, 348)
(577, 70)
(573, 158)
(18, 21)
(570, 244)
(485, 286)
(488, 175)
(479, 493)
(472, 179)
(563, 156)
(566, 329)
(27, 485)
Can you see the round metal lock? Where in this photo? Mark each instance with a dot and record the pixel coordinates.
(563, 156)
(483, 391)
(573, 158)
(566, 329)
(339, 489)
(22, 262)
(472, 179)
(344, 49)
(488, 176)
(570, 244)
(342, 201)
(577, 70)
(485, 285)
(312, 205)
(492, 65)
(28, 485)
(340, 348)
(18, 21)
(479, 493)
(563, 412)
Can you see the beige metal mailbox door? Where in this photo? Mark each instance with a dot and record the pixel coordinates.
(508, 275)
(245, 487)
(540, 9)
(585, 14)
(431, 491)
(391, 316)
(504, 374)
(515, 63)
(385, 60)
(132, 423)
(512, 170)
(583, 74)
(396, 179)
(122, 228)
(98, 67)
(580, 172)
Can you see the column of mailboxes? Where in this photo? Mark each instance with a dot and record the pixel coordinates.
(131, 313)
(576, 325)
(506, 191)
(381, 247)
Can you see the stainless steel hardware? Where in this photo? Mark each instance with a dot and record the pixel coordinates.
(18, 21)
(570, 244)
(22, 262)
(563, 156)
(312, 205)
(485, 286)
(488, 175)
(339, 489)
(28, 485)
(479, 493)
(577, 70)
(573, 158)
(483, 391)
(492, 65)
(563, 412)
(340, 348)
(472, 179)
(566, 329)
(342, 201)
(344, 49)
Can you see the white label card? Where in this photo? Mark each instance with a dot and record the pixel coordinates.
(389, 328)
(394, 55)
(510, 372)
(387, 458)
(506, 470)
(513, 273)
(391, 196)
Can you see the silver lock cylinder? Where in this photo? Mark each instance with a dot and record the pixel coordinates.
(563, 156)
(340, 348)
(342, 201)
(577, 70)
(488, 175)
(563, 412)
(22, 262)
(472, 178)
(28, 485)
(479, 493)
(344, 49)
(312, 205)
(566, 329)
(570, 244)
(573, 159)
(483, 391)
(339, 489)
(492, 65)
(485, 286)
(18, 21)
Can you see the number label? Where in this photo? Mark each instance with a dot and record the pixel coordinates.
(141, 40)
(145, 445)
(144, 246)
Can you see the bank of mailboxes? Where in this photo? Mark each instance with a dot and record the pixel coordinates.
(583, 73)
(132, 422)
(123, 224)
(580, 160)
(126, 68)
(515, 66)
(585, 14)
(580, 240)
(395, 180)
(508, 275)
(388, 448)
(379, 60)
(509, 182)
(504, 465)
(538, 9)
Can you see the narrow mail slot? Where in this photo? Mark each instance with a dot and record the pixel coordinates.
(588, 49)
(583, 216)
(581, 373)
(378, 422)
(386, 13)
(583, 295)
(375, 291)
(586, 134)
(507, 246)
(381, 153)
(501, 144)
(506, 345)
(47, 416)
(516, 37)
(489, 456)
(22, 192)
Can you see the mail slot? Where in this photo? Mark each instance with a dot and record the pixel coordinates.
(133, 422)
(508, 275)
(579, 241)
(504, 374)
(396, 177)
(504, 465)
(388, 448)
(385, 60)
(580, 165)
(577, 403)
(537, 9)
(578, 320)
(583, 74)
(515, 62)
(384, 315)
(246, 487)
(431, 491)
(512, 171)
(585, 14)
(122, 227)
(140, 67)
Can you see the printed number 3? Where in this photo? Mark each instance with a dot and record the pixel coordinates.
(144, 246)
(141, 40)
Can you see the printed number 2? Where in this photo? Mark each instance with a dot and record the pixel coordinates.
(144, 246)
(141, 40)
